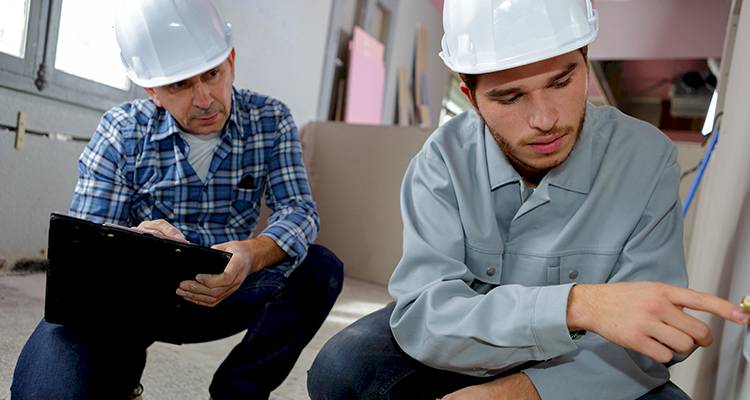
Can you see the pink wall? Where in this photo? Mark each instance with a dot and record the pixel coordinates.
(660, 29)
(438, 5)
(638, 76)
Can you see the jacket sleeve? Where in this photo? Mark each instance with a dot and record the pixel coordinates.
(294, 221)
(654, 252)
(438, 318)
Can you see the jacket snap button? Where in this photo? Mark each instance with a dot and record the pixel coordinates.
(491, 271)
(573, 274)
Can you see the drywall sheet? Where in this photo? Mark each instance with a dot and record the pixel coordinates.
(365, 83)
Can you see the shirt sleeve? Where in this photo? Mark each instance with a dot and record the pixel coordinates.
(102, 193)
(654, 252)
(294, 222)
(438, 318)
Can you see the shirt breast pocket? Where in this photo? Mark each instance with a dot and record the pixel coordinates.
(486, 265)
(530, 269)
(245, 206)
(586, 267)
(158, 203)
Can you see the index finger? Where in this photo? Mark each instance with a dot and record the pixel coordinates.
(700, 301)
(223, 279)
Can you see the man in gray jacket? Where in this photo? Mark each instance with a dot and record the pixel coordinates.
(543, 249)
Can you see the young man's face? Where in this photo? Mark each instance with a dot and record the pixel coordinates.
(200, 104)
(535, 112)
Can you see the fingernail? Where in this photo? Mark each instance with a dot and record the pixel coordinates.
(740, 316)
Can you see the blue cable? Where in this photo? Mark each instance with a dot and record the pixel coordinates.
(699, 176)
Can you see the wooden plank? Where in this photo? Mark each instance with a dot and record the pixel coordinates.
(20, 130)
(421, 63)
(403, 98)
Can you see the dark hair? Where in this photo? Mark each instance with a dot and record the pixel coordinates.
(470, 80)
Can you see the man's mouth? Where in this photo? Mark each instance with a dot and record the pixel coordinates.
(209, 118)
(548, 145)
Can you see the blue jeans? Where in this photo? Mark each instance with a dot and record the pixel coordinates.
(363, 361)
(280, 314)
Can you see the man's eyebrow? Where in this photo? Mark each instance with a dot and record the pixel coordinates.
(495, 93)
(570, 68)
(502, 92)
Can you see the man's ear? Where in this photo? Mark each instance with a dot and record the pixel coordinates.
(231, 63)
(153, 95)
(469, 95)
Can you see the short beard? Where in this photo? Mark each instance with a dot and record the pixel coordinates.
(528, 172)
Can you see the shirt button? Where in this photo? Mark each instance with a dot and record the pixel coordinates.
(573, 274)
(491, 271)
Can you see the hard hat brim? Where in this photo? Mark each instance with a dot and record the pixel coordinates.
(187, 73)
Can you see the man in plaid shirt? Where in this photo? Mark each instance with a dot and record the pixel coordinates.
(191, 164)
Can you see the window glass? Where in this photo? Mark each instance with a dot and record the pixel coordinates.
(86, 44)
(14, 21)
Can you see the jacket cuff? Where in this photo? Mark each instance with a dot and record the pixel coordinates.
(549, 321)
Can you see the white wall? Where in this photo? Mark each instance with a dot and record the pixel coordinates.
(411, 12)
(34, 181)
(39, 178)
(280, 47)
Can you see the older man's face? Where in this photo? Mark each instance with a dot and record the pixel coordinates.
(200, 104)
(535, 112)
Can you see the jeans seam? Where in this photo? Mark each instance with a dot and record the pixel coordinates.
(394, 381)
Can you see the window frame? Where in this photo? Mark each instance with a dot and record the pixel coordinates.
(41, 47)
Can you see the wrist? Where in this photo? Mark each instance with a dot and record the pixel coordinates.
(265, 252)
(579, 306)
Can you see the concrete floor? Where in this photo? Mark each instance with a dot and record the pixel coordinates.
(174, 372)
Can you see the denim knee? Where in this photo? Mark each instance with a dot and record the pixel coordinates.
(335, 371)
(58, 363)
(360, 361)
(325, 270)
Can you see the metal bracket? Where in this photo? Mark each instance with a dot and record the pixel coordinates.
(20, 130)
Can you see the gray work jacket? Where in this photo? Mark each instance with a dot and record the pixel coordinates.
(483, 283)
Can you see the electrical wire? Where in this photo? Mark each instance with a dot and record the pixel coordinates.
(701, 170)
(705, 141)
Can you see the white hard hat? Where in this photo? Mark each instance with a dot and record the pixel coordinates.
(493, 35)
(166, 41)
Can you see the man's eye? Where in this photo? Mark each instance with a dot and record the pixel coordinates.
(177, 86)
(510, 100)
(561, 84)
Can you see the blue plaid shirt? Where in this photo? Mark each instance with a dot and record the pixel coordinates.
(135, 168)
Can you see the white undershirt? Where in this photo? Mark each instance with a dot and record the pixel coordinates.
(202, 148)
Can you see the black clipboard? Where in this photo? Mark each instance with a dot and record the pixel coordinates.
(106, 277)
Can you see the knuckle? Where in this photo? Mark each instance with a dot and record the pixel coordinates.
(703, 331)
(685, 346)
(665, 356)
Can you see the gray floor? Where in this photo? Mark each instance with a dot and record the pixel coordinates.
(174, 372)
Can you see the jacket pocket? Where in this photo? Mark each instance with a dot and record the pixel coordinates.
(487, 266)
(531, 270)
(587, 267)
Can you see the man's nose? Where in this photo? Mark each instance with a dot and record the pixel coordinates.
(201, 96)
(544, 114)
